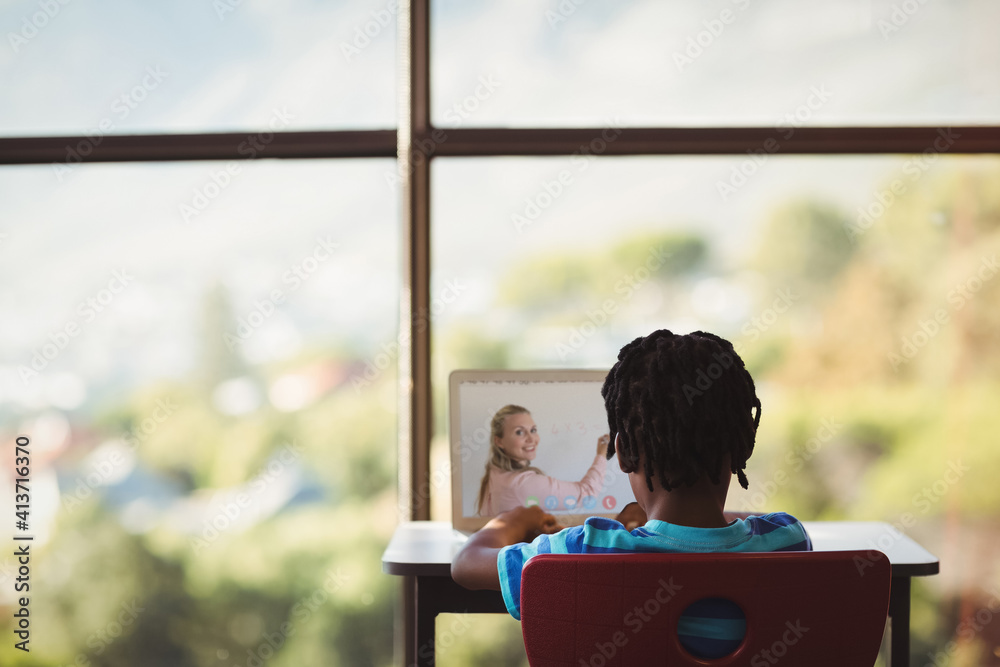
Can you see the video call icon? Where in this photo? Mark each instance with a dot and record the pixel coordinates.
(530, 501)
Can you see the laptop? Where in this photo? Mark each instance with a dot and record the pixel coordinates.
(566, 406)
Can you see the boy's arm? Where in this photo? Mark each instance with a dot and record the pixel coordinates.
(475, 565)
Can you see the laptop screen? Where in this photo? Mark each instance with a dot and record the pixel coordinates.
(552, 423)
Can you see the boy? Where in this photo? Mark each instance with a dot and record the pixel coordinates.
(683, 414)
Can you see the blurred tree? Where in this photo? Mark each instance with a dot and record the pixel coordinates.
(804, 245)
(310, 562)
(575, 281)
(106, 600)
(219, 339)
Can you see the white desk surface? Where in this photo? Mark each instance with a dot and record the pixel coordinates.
(427, 547)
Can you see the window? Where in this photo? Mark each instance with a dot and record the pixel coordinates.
(226, 66)
(202, 341)
(723, 63)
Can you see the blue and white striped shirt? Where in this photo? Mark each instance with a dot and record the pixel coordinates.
(770, 532)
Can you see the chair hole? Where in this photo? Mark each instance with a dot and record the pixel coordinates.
(711, 628)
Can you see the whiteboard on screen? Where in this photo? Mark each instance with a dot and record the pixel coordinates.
(568, 409)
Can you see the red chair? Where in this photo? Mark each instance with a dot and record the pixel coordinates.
(801, 608)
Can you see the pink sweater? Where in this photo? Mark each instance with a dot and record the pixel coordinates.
(510, 489)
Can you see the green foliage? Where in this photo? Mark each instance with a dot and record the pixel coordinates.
(105, 600)
(549, 284)
(804, 244)
(313, 569)
(685, 252)
(349, 439)
(479, 639)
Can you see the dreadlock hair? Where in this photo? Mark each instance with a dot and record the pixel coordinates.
(684, 403)
(498, 458)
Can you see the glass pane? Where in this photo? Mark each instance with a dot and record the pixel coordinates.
(190, 66)
(862, 292)
(722, 62)
(211, 461)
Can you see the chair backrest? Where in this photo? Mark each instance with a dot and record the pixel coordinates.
(599, 610)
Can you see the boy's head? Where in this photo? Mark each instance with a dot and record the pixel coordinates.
(681, 408)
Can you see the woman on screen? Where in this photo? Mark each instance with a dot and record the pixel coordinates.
(510, 479)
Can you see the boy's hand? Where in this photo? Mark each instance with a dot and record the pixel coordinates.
(523, 524)
(475, 565)
(632, 516)
(602, 444)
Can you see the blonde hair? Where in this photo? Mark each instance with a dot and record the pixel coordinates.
(499, 458)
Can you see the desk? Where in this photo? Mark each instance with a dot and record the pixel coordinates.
(421, 552)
